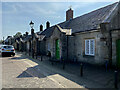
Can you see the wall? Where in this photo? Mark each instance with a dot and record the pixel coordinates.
(78, 48)
(115, 36)
(50, 43)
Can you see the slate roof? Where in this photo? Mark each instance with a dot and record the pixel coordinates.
(47, 32)
(86, 22)
(27, 38)
(89, 21)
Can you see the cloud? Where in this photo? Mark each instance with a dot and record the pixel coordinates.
(59, 0)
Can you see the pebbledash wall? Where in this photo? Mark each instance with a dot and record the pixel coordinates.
(77, 47)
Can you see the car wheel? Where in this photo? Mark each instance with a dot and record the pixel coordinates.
(13, 55)
(2, 55)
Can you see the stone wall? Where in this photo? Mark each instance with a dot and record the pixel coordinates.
(115, 37)
(77, 48)
(50, 43)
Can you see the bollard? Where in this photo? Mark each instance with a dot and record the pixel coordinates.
(116, 79)
(63, 64)
(41, 57)
(36, 56)
(52, 62)
(106, 65)
(81, 70)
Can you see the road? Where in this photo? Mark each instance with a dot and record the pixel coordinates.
(23, 72)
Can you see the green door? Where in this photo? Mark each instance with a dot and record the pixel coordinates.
(118, 52)
(57, 49)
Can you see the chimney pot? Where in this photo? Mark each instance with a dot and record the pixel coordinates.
(41, 27)
(47, 24)
(26, 33)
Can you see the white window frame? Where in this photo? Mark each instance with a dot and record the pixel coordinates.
(88, 47)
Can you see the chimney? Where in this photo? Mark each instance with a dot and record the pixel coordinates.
(47, 24)
(26, 33)
(32, 31)
(41, 27)
(20, 36)
(69, 14)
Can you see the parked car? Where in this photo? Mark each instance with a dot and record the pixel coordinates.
(7, 50)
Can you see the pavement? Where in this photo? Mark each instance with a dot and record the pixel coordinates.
(93, 76)
(22, 71)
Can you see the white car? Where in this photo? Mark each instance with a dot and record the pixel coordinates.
(7, 50)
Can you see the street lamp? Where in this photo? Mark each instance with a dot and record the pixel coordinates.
(31, 24)
(32, 32)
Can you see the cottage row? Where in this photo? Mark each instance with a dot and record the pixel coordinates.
(93, 38)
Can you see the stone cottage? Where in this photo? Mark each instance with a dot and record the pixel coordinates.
(92, 38)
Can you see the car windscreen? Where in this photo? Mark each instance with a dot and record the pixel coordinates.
(8, 46)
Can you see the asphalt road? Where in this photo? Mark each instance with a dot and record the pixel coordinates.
(23, 72)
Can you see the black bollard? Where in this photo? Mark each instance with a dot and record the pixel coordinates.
(52, 62)
(36, 56)
(106, 65)
(63, 64)
(41, 57)
(81, 70)
(116, 79)
(32, 54)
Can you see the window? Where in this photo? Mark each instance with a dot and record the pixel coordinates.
(48, 47)
(90, 47)
(8, 46)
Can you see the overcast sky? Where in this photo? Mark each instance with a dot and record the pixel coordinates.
(16, 16)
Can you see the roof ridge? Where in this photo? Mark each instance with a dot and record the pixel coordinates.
(107, 17)
(88, 13)
(96, 10)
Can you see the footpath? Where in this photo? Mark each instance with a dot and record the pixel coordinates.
(93, 76)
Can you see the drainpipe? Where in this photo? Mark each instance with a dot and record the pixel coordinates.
(109, 41)
(67, 47)
(110, 48)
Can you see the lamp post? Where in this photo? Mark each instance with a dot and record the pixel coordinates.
(32, 32)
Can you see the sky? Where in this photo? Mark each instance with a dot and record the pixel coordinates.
(16, 16)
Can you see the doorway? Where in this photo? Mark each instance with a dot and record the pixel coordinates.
(57, 42)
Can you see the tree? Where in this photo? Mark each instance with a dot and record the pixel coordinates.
(1, 41)
(18, 34)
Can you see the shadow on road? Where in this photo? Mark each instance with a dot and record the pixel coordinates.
(18, 58)
(31, 72)
(24, 74)
(91, 74)
(7, 55)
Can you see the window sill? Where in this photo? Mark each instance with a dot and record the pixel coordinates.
(88, 56)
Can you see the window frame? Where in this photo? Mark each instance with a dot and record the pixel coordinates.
(88, 52)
